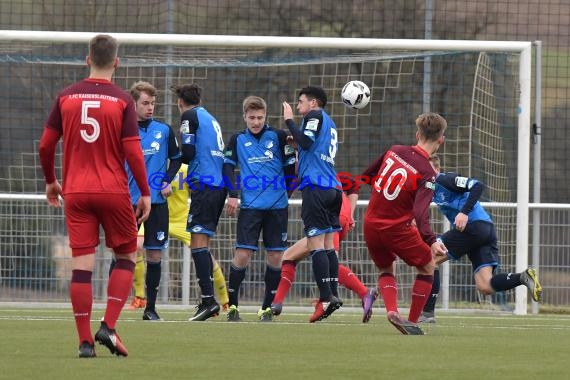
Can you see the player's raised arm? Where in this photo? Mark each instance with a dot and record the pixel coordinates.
(303, 136)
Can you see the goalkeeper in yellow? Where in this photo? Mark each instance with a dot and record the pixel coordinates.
(178, 213)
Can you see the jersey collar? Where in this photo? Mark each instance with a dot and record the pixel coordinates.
(97, 80)
(420, 151)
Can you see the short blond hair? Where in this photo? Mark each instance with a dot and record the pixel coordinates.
(431, 125)
(141, 86)
(253, 103)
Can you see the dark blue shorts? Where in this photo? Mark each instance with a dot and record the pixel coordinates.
(320, 210)
(273, 223)
(478, 241)
(156, 227)
(206, 205)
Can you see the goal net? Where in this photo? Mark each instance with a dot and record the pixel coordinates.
(476, 86)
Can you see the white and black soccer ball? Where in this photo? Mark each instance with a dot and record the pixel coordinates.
(355, 94)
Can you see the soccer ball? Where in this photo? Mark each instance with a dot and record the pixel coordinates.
(355, 94)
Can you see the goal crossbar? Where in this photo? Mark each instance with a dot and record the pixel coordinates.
(267, 41)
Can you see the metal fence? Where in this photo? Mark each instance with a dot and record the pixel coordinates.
(35, 260)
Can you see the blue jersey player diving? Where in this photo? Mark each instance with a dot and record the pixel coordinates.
(472, 234)
(203, 151)
(320, 189)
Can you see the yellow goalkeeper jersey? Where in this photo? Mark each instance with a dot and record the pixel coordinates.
(178, 201)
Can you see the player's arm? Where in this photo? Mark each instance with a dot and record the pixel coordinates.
(459, 184)
(48, 143)
(188, 128)
(174, 156)
(228, 171)
(174, 163)
(369, 174)
(303, 136)
(131, 145)
(350, 187)
(422, 201)
(352, 194)
(289, 162)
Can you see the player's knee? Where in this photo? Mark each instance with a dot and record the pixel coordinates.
(274, 258)
(486, 289)
(153, 255)
(241, 258)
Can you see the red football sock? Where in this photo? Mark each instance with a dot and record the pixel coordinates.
(81, 295)
(389, 290)
(288, 271)
(351, 281)
(118, 290)
(421, 291)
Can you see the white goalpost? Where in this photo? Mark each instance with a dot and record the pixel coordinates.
(329, 62)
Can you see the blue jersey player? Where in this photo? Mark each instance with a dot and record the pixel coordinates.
(203, 151)
(317, 140)
(267, 168)
(472, 234)
(162, 160)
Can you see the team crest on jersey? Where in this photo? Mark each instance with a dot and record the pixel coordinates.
(269, 144)
(461, 181)
(185, 127)
(312, 124)
(157, 134)
(160, 236)
(188, 139)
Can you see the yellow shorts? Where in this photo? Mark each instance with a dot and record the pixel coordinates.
(178, 231)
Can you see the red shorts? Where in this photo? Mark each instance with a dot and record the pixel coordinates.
(401, 240)
(85, 212)
(344, 221)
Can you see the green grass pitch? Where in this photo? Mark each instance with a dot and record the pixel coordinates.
(41, 344)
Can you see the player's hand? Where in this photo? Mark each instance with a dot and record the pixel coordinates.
(232, 206)
(166, 190)
(461, 222)
(291, 141)
(53, 191)
(351, 225)
(438, 249)
(143, 209)
(287, 111)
